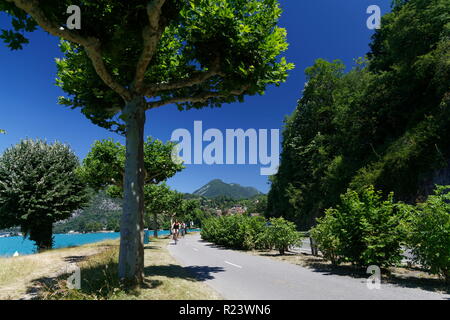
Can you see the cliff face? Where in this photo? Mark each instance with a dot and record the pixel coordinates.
(438, 177)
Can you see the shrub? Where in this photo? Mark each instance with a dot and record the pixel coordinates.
(210, 229)
(251, 230)
(247, 233)
(239, 232)
(280, 234)
(430, 233)
(325, 235)
(363, 229)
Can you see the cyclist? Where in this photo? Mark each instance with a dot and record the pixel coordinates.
(175, 230)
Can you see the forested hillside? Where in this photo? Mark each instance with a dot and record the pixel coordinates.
(386, 122)
(218, 188)
(103, 212)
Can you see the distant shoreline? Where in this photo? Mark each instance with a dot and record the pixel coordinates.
(78, 232)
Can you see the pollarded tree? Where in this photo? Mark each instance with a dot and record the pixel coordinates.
(39, 186)
(187, 207)
(104, 165)
(133, 56)
(104, 168)
(160, 202)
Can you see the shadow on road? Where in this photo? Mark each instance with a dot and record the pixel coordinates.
(412, 280)
(220, 247)
(415, 278)
(194, 273)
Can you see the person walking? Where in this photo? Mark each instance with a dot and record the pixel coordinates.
(183, 229)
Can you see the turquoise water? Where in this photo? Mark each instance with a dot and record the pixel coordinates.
(9, 245)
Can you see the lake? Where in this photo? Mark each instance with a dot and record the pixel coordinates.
(9, 245)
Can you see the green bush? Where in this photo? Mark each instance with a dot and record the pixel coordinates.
(247, 233)
(251, 230)
(279, 234)
(210, 229)
(430, 233)
(325, 235)
(364, 229)
(240, 232)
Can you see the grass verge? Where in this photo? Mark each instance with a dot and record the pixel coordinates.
(18, 274)
(165, 279)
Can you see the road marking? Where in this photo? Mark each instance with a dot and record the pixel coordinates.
(195, 249)
(234, 265)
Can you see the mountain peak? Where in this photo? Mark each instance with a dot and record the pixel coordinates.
(216, 188)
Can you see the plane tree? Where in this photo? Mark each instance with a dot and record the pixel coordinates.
(104, 166)
(39, 186)
(132, 56)
(190, 210)
(161, 204)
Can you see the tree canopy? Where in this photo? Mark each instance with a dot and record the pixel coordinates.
(193, 53)
(104, 166)
(39, 186)
(133, 56)
(161, 203)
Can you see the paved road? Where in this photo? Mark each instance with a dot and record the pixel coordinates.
(241, 276)
(306, 248)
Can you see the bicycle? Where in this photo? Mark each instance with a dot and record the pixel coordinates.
(175, 236)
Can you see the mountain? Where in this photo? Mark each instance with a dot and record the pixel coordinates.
(217, 188)
(102, 212)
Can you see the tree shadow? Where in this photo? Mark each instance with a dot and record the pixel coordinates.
(150, 247)
(388, 276)
(99, 281)
(194, 273)
(75, 259)
(273, 253)
(428, 284)
(222, 247)
(411, 278)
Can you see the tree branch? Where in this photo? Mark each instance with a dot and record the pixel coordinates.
(196, 78)
(93, 50)
(151, 34)
(202, 97)
(150, 179)
(92, 45)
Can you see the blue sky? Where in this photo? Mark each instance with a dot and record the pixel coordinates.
(329, 29)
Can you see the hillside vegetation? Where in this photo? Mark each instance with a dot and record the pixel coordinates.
(217, 188)
(102, 212)
(385, 123)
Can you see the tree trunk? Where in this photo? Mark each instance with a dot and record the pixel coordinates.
(155, 232)
(131, 257)
(42, 235)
